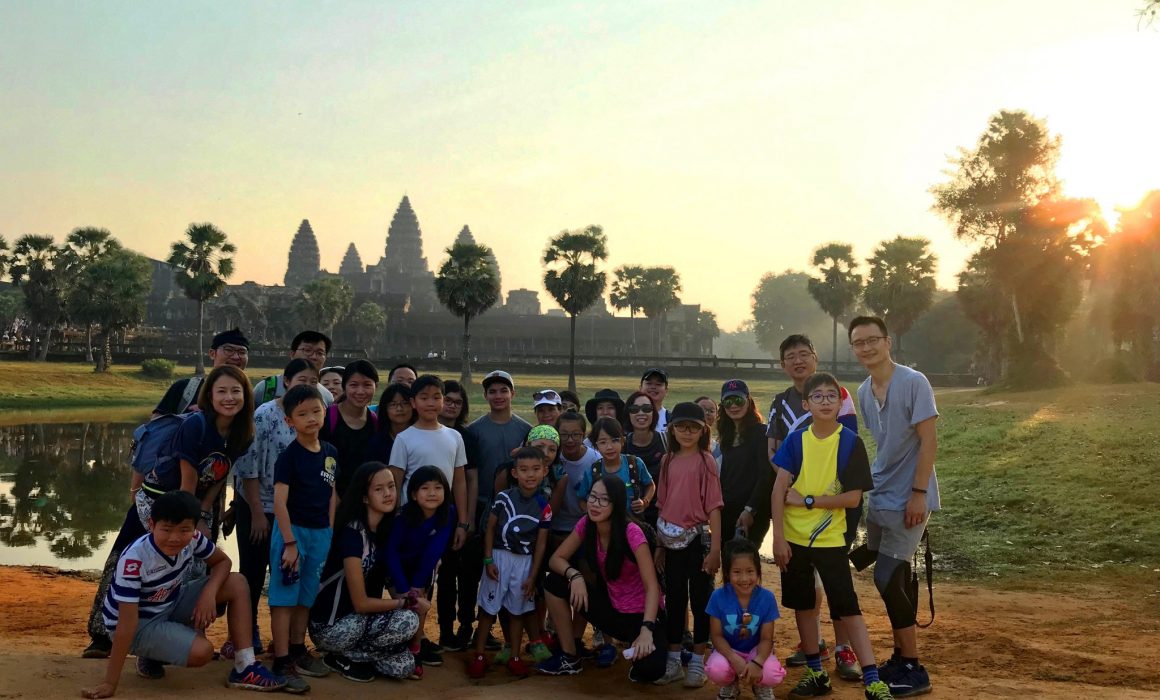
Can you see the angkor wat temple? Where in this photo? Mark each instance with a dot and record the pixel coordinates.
(402, 283)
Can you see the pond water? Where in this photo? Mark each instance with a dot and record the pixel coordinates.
(64, 490)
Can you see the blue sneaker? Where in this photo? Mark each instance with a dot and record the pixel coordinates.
(560, 665)
(150, 669)
(605, 656)
(255, 677)
(909, 680)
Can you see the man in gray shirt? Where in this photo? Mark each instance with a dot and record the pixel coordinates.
(898, 408)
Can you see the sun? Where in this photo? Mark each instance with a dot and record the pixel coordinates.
(1116, 180)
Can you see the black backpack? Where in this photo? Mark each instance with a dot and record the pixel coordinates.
(634, 465)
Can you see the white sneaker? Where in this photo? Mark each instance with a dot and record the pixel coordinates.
(729, 692)
(762, 692)
(695, 676)
(673, 673)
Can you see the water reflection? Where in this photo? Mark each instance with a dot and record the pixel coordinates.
(63, 486)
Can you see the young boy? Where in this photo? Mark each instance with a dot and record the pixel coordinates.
(152, 614)
(821, 471)
(304, 503)
(513, 551)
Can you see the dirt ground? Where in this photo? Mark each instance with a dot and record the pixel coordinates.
(986, 643)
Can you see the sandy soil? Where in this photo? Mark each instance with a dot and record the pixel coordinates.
(987, 643)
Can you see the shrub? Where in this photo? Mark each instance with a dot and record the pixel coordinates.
(158, 368)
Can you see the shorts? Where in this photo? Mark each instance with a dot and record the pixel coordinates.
(313, 546)
(507, 592)
(169, 637)
(833, 566)
(887, 533)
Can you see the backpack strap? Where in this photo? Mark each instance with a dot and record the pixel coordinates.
(189, 396)
(332, 419)
(269, 387)
(846, 440)
(632, 463)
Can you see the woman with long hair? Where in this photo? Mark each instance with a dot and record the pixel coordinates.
(746, 481)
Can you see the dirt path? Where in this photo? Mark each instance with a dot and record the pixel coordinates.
(987, 643)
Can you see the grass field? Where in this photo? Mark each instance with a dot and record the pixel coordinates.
(1036, 486)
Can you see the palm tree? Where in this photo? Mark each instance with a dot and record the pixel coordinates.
(323, 302)
(467, 284)
(84, 247)
(202, 264)
(38, 268)
(900, 286)
(626, 293)
(571, 277)
(658, 296)
(839, 284)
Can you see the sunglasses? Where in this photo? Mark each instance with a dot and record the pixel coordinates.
(549, 395)
(641, 408)
(734, 401)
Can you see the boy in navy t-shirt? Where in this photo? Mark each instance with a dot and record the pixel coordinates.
(304, 503)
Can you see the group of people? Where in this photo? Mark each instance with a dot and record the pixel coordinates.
(618, 513)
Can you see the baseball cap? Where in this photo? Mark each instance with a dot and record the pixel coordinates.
(499, 376)
(655, 371)
(687, 411)
(734, 387)
(546, 397)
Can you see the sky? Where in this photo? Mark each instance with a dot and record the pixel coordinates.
(726, 139)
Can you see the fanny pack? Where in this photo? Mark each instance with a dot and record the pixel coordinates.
(673, 536)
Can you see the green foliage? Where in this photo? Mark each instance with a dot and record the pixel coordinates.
(901, 286)
(837, 284)
(370, 317)
(11, 307)
(1128, 275)
(111, 291)
(943, 339)
(468, 285)
(323, 302)
(625, 293)
(40, 269)
(781, 305)
(202, 263)
(659, 287)
(158, 368)
(571, 277)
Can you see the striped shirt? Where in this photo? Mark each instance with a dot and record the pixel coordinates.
(149, 578)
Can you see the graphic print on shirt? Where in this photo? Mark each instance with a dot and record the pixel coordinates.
(733, 625)
(213, 469)
(329, 467)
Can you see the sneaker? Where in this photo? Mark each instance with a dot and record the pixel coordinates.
(908, 681)
(560, 665)
(254, 677)
(477, 667)
(539, 651)
(150, 669)
(227, 650)
(846, 663)
(812, 684)
(605, 656)
(416, 671)
(503, 656)
(762, 692)
(798, 658)
(452, 642)
(891, 668)
(292, 682)
(673, 673)
(350, 670)
(99, 648)
(878, 690)
(310, 665)
(695, 676)
(583, 650)
(729, 692)
(517, 667)
(429, 653)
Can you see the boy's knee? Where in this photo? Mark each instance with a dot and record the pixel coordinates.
(201, 653)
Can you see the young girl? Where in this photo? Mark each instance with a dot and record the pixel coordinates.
(349, 424)
(689, 531)
(395, 414)
(418, 539)
(607, 436)
(741, 615)
(623, 600)
(360, 633)
(331, 378)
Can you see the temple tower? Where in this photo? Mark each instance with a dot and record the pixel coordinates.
(304, 263)
(351, 267)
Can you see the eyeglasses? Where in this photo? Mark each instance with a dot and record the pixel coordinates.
(641, 408)
(825, 397)
(316, 352)
(233, 351)
(866, 342)
(733, 401)
(746, 618)
(606, 442)
(546, 394)
(797, 356)
(598, 500)
(688, 428)
(397, 406)
(452, 402)
(571, 436)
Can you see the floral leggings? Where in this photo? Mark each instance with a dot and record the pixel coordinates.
(379, 638)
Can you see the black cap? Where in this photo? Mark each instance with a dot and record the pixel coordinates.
(657, 371)
(686, 411)
(603, 395)
(232, 337)
(734, 387)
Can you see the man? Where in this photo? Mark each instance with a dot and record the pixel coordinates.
(654, 383)
(404, 374)
(311, 346)
(227, 348)
(897, 403)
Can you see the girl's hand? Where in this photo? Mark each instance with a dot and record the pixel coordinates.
(638, 506)
(643, 646)
(793, 498)
(738, 664)
(259, 527)
(290, 557)
(712, 562)
(781, 552)
(422, 605)
(104, 690)
(579, 593)
(753, 672)
(493, 571)
(659, 560)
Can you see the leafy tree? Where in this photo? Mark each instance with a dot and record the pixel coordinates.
(111, 292)
(943, 339)
(658, 296)
(5, 258)
(468, 285)
(323, 302)
(837, 285)
(983, 303)
(40, 269)
(900, 286)
(202, 264)
(707, 330)
(626, 293)
(1130, 272)
(370, 320)
(781, 304)
(571, 277)
(11, 307)
(83, 247)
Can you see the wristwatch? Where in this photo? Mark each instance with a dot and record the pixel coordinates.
(809, 501)
(464, 526)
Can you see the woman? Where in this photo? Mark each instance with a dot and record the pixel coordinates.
(645, 442)
(745, 470)
(331, 378)
(624, 598)
(350, 425)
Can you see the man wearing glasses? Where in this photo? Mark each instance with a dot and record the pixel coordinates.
(898, 406)
(227, 348)
(311, 346)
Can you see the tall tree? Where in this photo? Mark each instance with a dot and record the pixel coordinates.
(625, 293)
(571, 277)
(659, 289)
(111, 292)
(781, 304)
(1130, 272)
(85, 246)
(900, 285)
(369, 320)
(837, 284)
(468, 285)
(707, 330)
(202, 264)
(323, 302)
(40, 269)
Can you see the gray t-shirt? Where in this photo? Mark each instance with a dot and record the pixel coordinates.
(417, 447)
(909, 401)
(494, 443)
(564, 519)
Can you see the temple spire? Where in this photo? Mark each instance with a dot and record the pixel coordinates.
(351, 267)
(304, 263)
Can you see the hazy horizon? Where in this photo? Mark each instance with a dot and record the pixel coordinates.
(727, 140)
